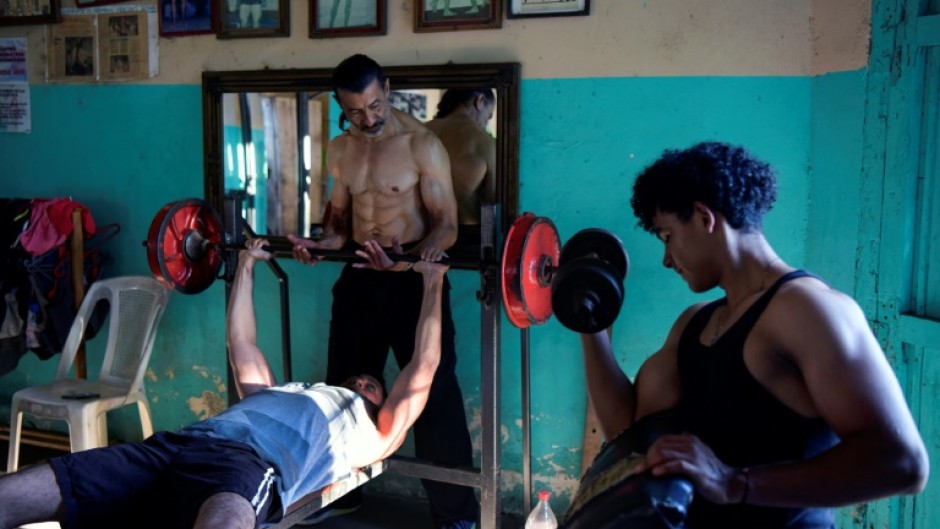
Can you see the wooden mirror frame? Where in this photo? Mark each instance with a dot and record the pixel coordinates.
(504, 78)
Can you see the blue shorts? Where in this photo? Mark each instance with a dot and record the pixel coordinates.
(160, 482)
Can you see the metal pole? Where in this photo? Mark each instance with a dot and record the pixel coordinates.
(526, 427)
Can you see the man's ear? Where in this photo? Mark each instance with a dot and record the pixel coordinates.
(704, 216)
(479, 101)
(387, 87)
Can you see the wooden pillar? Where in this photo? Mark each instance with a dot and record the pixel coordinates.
(78, 283)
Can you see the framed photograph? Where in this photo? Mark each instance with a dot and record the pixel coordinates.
(347, 18)
(547, 8)
(186, 17)
(240, 19)
(451, 15)
(21, 12)
(90, 3)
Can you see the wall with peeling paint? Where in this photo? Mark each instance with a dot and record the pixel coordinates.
(786, 78)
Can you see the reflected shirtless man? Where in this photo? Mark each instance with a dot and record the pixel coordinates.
(460, 123)
(392, 184)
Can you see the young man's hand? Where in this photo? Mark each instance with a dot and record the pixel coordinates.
(253, 252)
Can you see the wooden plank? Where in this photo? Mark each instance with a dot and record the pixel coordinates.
(40, 438)
(928, 30)
(315, 501)
(78, 283)
(918, 331)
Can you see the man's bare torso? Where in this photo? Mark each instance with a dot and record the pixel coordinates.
(382, 176)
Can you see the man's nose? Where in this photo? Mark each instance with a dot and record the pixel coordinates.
(667, 260)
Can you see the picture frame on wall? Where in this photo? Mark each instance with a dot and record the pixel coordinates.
(453, 15)
(547, 8)
(92, 3)
(238, 19)
(17, 13)
(348, 18)
(186, 17)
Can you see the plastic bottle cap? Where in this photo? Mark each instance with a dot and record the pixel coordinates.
(544, 495)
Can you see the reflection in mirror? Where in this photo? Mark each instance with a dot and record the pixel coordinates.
(274, 154)
(266, 134)
(274, 167)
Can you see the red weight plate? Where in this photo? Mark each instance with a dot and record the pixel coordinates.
(530, 257)
(183, 245)
(510, 267)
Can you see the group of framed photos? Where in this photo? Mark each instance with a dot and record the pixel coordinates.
(230, 19)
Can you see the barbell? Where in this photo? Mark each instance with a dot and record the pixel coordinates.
(581, 283)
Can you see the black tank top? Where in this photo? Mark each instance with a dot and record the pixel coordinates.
(745, 425)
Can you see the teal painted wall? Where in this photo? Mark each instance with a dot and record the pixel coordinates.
(126, 151)
(835, 194)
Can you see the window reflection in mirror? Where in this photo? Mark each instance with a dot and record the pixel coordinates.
(274, 153)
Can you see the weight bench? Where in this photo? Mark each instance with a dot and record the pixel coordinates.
(315, 501)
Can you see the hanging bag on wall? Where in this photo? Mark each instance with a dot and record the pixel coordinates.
(52, 298)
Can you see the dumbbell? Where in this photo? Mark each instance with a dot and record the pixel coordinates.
(587, 291)
(582, 282)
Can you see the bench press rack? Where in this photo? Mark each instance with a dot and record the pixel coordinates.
(487, 477)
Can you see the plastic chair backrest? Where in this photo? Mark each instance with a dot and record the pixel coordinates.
(136, 307)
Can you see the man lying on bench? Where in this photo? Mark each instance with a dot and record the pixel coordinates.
(246, 465)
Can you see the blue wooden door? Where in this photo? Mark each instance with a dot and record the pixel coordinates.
(898, 267)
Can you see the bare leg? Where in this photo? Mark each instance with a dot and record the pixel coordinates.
(225, 510)
(30, 496)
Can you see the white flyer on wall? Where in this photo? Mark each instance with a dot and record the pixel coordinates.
(14, 86)
(14, 108)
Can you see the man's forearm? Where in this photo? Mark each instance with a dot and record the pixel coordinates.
(240, 318)
(611, 392)
(443, 235)
(249, 366)
(428, 334)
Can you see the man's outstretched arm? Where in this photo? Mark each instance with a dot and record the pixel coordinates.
(249, 366)
(410, 391)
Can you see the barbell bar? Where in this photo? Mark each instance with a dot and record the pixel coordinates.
(584, 279)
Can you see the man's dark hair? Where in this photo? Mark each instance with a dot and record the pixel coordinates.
(455, 97)
(726, 178)
(355, 73)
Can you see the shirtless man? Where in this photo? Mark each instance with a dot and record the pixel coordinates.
(788, 404)
(252, 461)
(392, 184)
(460, 123)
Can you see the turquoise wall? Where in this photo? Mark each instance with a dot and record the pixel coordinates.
(126, 151)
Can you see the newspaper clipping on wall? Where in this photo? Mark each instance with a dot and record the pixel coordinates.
(111, 43)
(14, 86)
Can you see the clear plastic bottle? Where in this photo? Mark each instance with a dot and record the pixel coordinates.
(542, 516)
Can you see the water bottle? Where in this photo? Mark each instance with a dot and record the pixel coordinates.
(542, 516)
(32, 327)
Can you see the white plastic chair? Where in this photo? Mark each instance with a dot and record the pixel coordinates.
(136, 306)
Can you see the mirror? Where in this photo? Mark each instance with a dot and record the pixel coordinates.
(266, 133)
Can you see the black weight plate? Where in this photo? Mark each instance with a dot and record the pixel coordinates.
(587, 295)
(605, 244)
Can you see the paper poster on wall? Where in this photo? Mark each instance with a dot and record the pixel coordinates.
(14, 108)
(114, 43)
(15, 113)
(13, 60)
